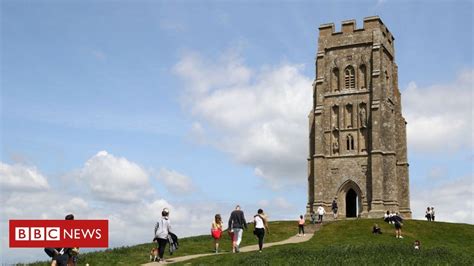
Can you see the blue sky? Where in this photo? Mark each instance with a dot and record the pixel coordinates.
(191, 97)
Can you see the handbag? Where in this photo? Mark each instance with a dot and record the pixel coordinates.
(216, 233)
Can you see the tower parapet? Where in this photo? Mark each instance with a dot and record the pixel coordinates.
(374, 31)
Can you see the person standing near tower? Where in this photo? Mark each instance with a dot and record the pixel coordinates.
(321, 213)
(334, 209)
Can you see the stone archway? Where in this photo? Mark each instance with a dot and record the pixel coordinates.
(349, 199)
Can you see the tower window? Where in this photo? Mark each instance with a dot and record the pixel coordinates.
(350, 142)
(349, 78)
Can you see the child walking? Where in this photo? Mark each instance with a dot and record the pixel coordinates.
(216, 231)
(301, 226)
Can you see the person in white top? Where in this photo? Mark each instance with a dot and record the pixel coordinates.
(321, 213)
(261, 226)
(162, 229)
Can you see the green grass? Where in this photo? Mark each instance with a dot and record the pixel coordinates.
(344, 242)
(351, 242)
(136, 255)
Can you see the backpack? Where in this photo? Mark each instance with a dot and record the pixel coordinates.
(50, 251)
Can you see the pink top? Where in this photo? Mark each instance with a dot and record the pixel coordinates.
(301, 222)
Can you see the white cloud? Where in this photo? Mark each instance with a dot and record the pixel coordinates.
(115, 179)
(440, 116)
(131, 218)
(259, 117)
(452, 200)
(174, 181)
(21, 177)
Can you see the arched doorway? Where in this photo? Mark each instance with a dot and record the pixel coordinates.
(351, 203)
(350, 199)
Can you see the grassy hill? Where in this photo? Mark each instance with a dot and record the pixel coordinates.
(342, 242)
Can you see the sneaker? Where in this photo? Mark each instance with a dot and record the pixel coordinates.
(304, 234)
(400, 237)
(260, 251)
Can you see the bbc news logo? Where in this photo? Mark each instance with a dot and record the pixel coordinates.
(59, 233)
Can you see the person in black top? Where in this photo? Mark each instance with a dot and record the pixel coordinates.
(236, 225)
(376, 229)
(63, 256)
(398, 221)
(334, 208)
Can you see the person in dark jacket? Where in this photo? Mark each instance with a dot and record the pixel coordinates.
(63, 256)
(334, 209)
(398, 221)
(236, 225)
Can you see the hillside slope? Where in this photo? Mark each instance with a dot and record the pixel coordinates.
(341, 242)
(352, 243)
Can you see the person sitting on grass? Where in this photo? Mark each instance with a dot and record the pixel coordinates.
(417, 245)
(376, 229)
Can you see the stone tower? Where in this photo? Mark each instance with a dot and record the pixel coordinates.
(357, 134)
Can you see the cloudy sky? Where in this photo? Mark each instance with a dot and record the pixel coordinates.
(116, 109)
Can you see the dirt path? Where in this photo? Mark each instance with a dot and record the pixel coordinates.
(292, 240)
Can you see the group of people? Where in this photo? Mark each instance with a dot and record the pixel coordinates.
(321, 212)
(430, 214)
(236, 226)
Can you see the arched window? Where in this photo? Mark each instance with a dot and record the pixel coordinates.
(349, 78)
(335, 79)
(362, 77)
(350, 142)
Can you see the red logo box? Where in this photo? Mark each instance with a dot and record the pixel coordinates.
(59, 233)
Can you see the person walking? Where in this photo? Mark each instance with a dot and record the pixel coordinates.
(236, 225)
(301, 222)
(261, 225)
(162, 228)
(432, 214)
(321, 212)
(334, 208)
(216, 231)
